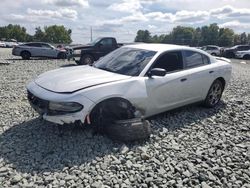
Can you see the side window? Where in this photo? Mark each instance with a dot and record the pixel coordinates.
(107, 42)
(195, 59)
(45, 46)
(170, 61)
(205, 59)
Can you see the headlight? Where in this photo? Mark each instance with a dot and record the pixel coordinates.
(77, 52)
(65, 106)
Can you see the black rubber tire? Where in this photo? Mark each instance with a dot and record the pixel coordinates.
(25, 55)
(230, 55)
(246, 57)
(210, 102)
(61, 55)
(119, 123)
(129, 130)
(213, 54)
(86, 60)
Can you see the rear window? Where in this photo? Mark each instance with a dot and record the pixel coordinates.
(194, 59)
(34, 44)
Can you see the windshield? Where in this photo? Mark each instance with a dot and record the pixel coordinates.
(95, 41)
(126, 61)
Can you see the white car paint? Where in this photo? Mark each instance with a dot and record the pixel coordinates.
(89, 86)
(212, 49)
(242, 54)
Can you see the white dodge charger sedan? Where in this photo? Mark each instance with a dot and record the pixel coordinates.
(134, 80)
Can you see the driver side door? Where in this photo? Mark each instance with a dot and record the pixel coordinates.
(169, 91)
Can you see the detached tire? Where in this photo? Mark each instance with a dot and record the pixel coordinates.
(25, 55)
(129, 130)
(86, 60)
(116, 118)
(214, 94)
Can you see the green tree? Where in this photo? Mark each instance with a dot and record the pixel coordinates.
(243, 38)
(39, 34)
(57, 34)
(13, 32)
(237, 39)
(210, 34)
(226, 37)
(143, 36)
(182, 35)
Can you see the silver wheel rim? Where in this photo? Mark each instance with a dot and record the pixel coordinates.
(215, 94)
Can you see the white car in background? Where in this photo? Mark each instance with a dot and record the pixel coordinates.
(134, 80)
(2, 44)
(243, 54)
(38, 49)
(212, 49)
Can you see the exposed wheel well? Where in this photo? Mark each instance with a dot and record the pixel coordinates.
(116, 106)
(222, 81)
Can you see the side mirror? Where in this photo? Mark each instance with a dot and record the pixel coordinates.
(157, 72)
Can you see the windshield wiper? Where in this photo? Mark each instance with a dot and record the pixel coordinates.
(106, 69)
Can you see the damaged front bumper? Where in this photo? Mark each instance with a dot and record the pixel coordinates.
(40, 98)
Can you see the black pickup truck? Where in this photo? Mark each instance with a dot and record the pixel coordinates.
(91, 52)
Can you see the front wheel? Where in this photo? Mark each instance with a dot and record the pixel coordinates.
(25, 55)
(214, 94)
(86, 60)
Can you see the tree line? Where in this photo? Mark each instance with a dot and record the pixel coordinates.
(51, 34)
(200, 36)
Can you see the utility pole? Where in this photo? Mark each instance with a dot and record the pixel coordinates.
(91, 35)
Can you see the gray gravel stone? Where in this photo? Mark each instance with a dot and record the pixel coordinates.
(191, 147)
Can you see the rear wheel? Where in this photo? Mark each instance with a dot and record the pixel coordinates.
(214, 94)
(246, 57)
(86, 60)
(25, 55)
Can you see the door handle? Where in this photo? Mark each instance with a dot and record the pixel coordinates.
(183, 79)
(210, 72)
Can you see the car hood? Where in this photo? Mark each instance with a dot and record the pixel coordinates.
(71, 79)
(81, 47)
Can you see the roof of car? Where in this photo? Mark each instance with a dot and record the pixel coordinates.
(159, 47)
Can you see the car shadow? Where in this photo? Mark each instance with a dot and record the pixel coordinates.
(185, 116)
(68, 65)
(39, 146)
(32, 59)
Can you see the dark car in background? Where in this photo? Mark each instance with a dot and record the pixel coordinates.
(231, 52)
(87, 54)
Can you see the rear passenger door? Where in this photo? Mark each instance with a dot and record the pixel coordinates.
(34, 49)
(199, 75)
(48, 51)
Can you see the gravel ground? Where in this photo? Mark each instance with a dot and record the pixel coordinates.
(190, 147)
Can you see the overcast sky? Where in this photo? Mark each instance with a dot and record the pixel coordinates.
(122, 18)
